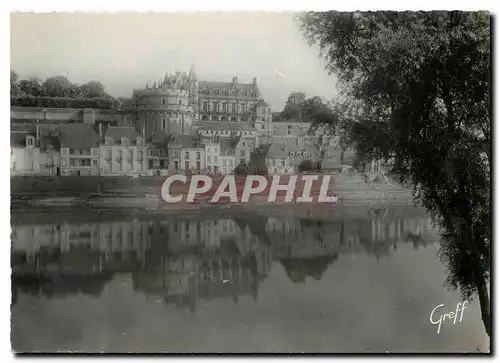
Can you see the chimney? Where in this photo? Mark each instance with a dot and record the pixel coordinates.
(144, 132)
(235, 80)
(254, 81)
(37, 130)
(100, 130)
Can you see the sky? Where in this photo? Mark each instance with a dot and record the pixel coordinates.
(125, 50)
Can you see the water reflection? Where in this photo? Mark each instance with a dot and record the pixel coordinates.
(183, 260)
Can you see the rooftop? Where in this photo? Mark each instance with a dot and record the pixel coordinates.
(117, 132)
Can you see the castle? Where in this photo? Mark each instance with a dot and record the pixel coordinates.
(180, 103)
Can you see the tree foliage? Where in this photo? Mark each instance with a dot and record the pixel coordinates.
(417, 86)
(58, 91)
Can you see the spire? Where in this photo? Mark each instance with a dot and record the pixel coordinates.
(192, 73)
(165, 79)
(147, 85)
(154, 85)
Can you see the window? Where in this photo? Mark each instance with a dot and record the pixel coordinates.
(72, 162)
(140, 141)
(292, 154)
(108, 155)
(186, 154)
(130, 155)
(176, 154)
(180, 102)
(242, 160)
(233, 108)
(65, 162)
(124, 141)
(209, 159)
(163, 124)
(205, 106)
(242, 153)
(262, 126)
(198, 165)
(109, 141)
(94, 151)
(176, 165)
(214, 106)
(140, 155)
(215, 159)
(120, 155)
(48, 161)
(94, 162)
(198, 156)
(186, 165)
(72, 151)
(283, 162)
(30, 141)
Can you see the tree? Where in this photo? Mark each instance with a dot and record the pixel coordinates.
(419, 87)
(14, 83)
(242, 169)
(258, 164)
(32, 86)
(92, 89)
(307, 165)
(58, 86)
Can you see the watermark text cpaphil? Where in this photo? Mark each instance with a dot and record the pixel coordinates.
(236, 189)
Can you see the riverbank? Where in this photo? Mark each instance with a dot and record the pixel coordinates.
(153, 203)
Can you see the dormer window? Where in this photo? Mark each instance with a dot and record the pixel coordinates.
(30, 140)
(140, 141)
(292, 154)
(124, 141)
(109, 141)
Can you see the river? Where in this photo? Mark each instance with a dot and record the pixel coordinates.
(356, 282)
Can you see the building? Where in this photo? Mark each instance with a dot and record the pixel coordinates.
(166, 106)
(122, 152)
(157, 155)
(212, 154)
(187, 154)
(228, 101)
(278, 160)
(79, 150)
(24, 154)
(244, 147)
(290, 128)
(227, 155)
(207, 130)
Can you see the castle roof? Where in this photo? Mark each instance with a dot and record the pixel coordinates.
(223, 85)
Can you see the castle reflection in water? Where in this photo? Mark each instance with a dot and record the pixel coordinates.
(185, 259)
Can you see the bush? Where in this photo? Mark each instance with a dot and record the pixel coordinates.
(306, 165)
(241, 169)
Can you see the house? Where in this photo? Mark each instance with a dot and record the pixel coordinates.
(227, 156)
(212, 154)
(190, 152)
(79, 150)
(244, 147)
(122, 152)
(157, 154)
(24, 154)
(278, 160)
(50, 150)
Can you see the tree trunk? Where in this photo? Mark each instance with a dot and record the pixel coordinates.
(484, 302)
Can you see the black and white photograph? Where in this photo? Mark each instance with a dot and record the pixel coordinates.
(268, 182)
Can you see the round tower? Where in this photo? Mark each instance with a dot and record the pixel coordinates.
(164, 110)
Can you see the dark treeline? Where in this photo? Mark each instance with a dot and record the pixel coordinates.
(58, 92)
